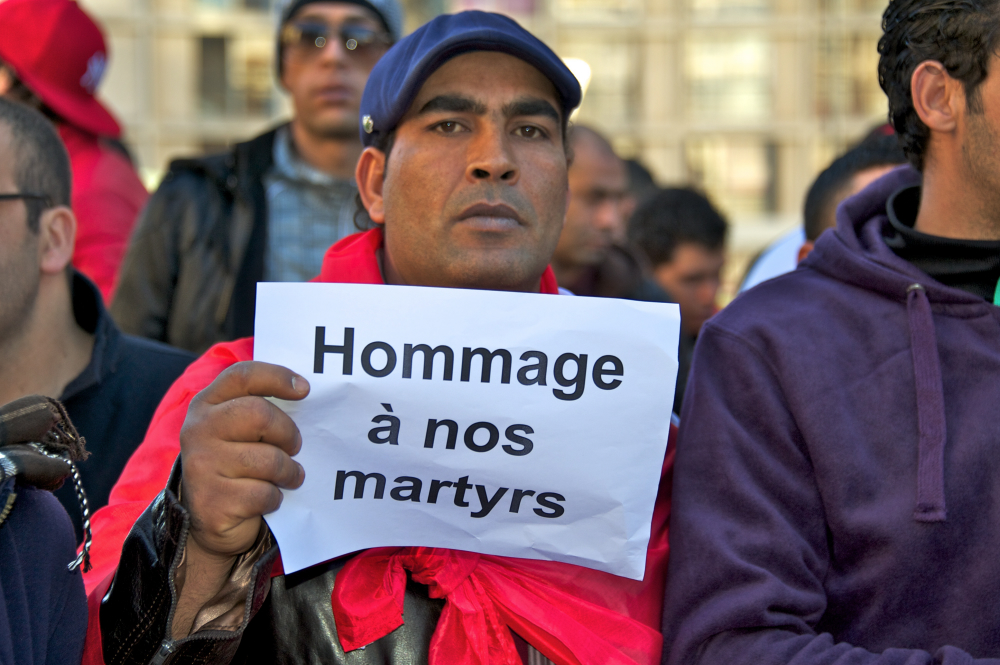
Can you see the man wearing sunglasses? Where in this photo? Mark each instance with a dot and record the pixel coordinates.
(268, 209)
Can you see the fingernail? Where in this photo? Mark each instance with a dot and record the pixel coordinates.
(299, 384)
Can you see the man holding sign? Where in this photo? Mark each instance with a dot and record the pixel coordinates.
(464, 174)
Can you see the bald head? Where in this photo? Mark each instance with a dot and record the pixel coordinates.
(585, 138)
(598, 205)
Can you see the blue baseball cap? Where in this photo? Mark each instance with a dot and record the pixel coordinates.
(399, 75)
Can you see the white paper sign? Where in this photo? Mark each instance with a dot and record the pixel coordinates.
(551, 451)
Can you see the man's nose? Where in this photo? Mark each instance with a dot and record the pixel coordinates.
(334, 51)
(490, 157)
(610, 212)
(609, 217)
(708, 290)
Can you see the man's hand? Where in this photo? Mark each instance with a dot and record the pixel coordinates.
(236, 450)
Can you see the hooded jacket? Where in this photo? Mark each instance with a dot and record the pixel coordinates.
(571, 614)
(837, 495)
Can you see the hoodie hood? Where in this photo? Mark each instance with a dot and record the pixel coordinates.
(855, 252)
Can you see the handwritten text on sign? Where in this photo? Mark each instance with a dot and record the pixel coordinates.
(520, 425)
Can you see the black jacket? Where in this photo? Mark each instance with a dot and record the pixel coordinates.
(190, 275)
(112, 401)
(287, 619)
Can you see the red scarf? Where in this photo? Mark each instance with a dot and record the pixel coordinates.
(569, 613)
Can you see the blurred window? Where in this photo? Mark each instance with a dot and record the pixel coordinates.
(728, 77)
(729, 8)
(598, 7)
(846, 79)
(516, 7)
(255, 5)
(236, 76)
(737, 172)
(852, 6)
(214, 75)
(613, 96)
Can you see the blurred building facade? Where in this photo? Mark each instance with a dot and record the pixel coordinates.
(747, 99)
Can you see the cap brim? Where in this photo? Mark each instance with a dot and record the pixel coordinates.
(83, 111)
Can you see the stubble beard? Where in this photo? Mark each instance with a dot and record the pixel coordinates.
(982, 162)
(19, 286)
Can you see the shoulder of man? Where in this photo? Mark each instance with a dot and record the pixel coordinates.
(804, 298)
(148, 355)
(223, 171)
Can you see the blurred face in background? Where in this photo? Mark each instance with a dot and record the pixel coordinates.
(860, 180)
(692, 277)
(329, 51)
(599, 204)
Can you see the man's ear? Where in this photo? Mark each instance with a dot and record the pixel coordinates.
(938, 98)
(6, 80)
(804, 250)
(284, 73)
(370, 176)
(57, 236)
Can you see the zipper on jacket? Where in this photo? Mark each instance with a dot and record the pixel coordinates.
(167, 648)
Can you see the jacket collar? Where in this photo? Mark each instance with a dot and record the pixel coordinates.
(238, 170)
(354, 260)
(91, 315)
(289, 165)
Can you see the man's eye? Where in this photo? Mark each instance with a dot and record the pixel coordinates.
(530, 132)
(449, 127)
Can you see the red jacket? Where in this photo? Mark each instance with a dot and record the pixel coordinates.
(107, 199)
(353, 260)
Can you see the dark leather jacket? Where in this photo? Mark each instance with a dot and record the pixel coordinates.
(286, 619)
(189, 277)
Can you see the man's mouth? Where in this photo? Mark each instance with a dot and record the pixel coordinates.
(336, 94)
(490, 217)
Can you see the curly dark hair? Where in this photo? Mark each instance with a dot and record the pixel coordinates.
(960, 34)
(675, 216)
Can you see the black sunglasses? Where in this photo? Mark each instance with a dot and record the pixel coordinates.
(314, 35)
(24, 195)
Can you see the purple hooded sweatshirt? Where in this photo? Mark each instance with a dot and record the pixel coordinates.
(837, 482)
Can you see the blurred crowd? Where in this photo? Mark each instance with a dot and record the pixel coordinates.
(804, 526)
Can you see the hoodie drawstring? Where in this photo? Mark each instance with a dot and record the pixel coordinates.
(930, 407)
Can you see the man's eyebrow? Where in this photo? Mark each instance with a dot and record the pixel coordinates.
(531, 106)
(453, 104)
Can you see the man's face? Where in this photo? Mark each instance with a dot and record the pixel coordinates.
(19, 250)
(596, 216)
(475, 186)
(692, 276)
(326, 81)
